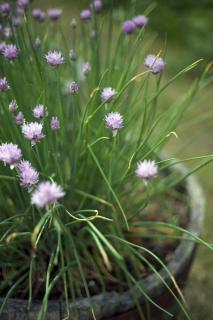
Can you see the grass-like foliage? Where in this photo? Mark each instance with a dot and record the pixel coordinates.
(81, 136)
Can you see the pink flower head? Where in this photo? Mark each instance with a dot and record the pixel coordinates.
(108, 94)
(140, 21)
(55, 124)
(40, 112)
(85, 15)
(13, 106)
(5, 8)
(97, 5)
(155, 64)
(54, 14)
(54, 58)
(10, 52)
(73, 87)
(28, 175)
(33, 131)
(114, 121)
(23, 3)
(4, 86)
(146, 170)
(19, 118)
(10, 154)
(46, 193)
(129, 26)
(38, 15)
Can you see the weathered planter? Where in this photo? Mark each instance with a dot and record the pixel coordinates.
(115, 306)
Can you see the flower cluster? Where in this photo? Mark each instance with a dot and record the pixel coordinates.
(146, 170)
(23, 4)
(10, 153)
(97, 6)
(4, 86)
(19, 118)
(154, 63)
(5, 8)
(39, 15)
(108, 94)
(73, 87)
(54, 123)
(85, 15)
(33, 131)
(46, 194)
(54, 58)
(114, 121)
(39, 112)
(139, 21)
(13, 106)
(27, 174)
(54, 14)
(10, 51)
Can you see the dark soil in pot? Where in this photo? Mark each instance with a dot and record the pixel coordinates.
(114, 305)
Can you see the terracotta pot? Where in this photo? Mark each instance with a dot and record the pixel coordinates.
(115, 306)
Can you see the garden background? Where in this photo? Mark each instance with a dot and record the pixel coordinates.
(186, 26)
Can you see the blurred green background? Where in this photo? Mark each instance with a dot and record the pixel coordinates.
(186, 26)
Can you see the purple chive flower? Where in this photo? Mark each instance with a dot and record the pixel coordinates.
(13, 106)
(129, 26)
(38, 15)
(4, 86)
(146, 170)
(2, 47)
(10, 52)
(5, 8)
(33, 132)
(46, 193)
(140, 21)
(114, 121)
(10, 154)
(73, 87)
(27, 174)
(54, 58)
(97, 5)
(155, 64)
(23, 3)
(40, 112)
(107, 94)
(86, 68)
(54, 14)
(85, 15)
(55, 124)
(19, 118)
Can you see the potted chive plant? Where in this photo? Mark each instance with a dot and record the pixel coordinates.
(96, 222)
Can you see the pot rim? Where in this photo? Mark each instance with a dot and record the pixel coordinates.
(110, 303)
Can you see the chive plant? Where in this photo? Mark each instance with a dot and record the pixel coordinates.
(81, 139)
